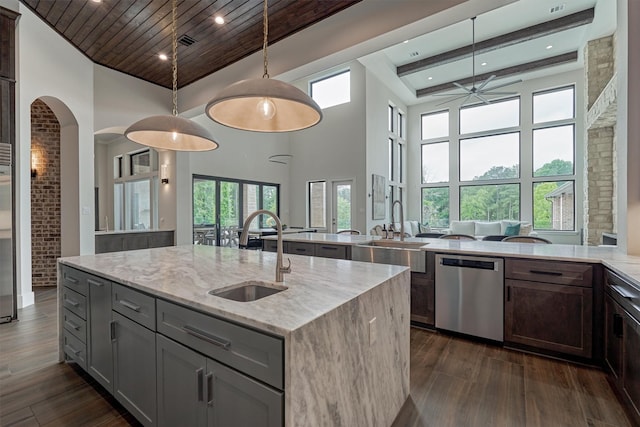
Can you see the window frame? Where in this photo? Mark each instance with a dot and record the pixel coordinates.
(328, 77)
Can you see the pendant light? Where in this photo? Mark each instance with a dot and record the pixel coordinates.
(264, 105)
(172, 132)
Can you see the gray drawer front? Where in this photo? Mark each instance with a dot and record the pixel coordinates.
(74, 279)
(299, 248)
(75, 349)
(252, 352)
(135, 305)
(331, 251)
(75, 324)
(270, 245)
(74, 302)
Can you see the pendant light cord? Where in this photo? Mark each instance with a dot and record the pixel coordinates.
(265, 33)
(174, 45)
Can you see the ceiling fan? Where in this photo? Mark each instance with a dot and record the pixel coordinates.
(480, 92)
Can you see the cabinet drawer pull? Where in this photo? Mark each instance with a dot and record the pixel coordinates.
(508, 293)
(71, 302)
(112, 330)
(622, 292)
(617, 325)
(72, 350)
(329, 248)
(301, 250)
(94, 282)
(200, 375)
(71, 279)
(129, 305)
(210, 389)
(546, 273)
(205, 336)
(72, 325)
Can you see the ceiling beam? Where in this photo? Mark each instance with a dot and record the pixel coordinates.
(565, 58)
(540, 30)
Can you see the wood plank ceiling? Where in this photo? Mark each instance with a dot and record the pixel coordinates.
(128, 35)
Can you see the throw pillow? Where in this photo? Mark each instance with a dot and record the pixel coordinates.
(512, 230)
(525, 229)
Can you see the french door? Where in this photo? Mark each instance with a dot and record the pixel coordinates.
(342, 206)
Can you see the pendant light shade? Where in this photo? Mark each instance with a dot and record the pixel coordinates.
(170, 132)
(264, 105)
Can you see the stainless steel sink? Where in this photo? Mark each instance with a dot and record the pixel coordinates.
(248, 291)
(393, 252)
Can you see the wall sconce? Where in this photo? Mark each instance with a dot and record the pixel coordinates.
(34, 161)
(164, 174)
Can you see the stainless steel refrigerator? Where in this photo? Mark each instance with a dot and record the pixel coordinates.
(7, 276)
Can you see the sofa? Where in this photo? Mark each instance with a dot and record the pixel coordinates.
(491, 228)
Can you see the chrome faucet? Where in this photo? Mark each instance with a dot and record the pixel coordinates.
(393, 221)
(244, 239)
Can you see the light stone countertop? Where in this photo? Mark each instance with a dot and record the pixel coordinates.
(625, 265)
(185, 274)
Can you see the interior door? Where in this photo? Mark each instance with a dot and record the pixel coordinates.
(342, 206)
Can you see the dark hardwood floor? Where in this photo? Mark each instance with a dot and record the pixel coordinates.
(454, 382)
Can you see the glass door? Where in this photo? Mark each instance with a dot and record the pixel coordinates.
(205, 224)
(229, 208)
(342, 206)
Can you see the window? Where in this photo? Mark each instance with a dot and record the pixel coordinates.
(396, 154)
(332, 90)
(401, 126)
(490, 202)
(490, 157)
(399, 163)
(317, 204)
(270, 198)
(140, 162)
(435, 207)
(435, 125)
(435, 162)
(135, 190)
(483, 117)
(391, 141)
(553, 105)
(503, 158)
(204, 202)
(553, 151)
(390, 118)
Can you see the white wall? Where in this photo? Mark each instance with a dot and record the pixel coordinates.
(49, 68)
(525, 89)
(379, 96)
(333, 150)
(628, 129)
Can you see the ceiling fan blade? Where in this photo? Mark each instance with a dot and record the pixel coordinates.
(481, 98)
(466, 99)
(454, 99)
(463, 88)
(505, 84)
(448, 94)
(486, 82)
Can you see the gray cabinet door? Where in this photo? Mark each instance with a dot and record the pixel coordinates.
(99, 337)
(134, 368)
(236, 400)
(180, 385)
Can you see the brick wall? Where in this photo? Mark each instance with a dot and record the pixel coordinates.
(45, 194)
(600, 185)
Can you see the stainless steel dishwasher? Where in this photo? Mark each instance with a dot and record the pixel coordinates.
(470, 295)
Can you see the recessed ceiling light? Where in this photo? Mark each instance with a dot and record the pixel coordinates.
(97, 1)
(406, 41)
(430, 78)
(163, 56)
(219, 20)
(483, 64)
(549, 46)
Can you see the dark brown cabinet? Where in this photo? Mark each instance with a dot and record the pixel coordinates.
(622, 340)
(549, 306)
(423, 294)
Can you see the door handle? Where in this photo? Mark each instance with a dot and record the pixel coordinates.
(210, 389)
(200, 375)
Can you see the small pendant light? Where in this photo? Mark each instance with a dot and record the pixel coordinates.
(264, 105)
(166, 132)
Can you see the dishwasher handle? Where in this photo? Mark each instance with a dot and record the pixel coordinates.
(469, 263)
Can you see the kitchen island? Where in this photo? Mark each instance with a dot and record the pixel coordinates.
(336, 340)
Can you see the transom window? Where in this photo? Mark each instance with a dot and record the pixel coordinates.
(332, 90)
